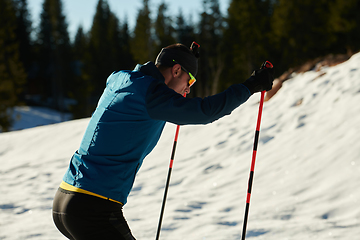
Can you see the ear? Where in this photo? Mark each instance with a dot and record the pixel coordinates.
(176, 70)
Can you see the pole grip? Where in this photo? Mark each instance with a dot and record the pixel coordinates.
(266, 64)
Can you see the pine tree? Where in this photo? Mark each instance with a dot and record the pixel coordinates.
(54, 51)
(211, 64)
(23, 32)
(142, 43)
(184, 30)
(12, 74)
(127, 60)
(80, 44)
(81, 87)
(104, 48)
(301, 31)
(344, 23)
(97, 66)
(164, 31)
(247, 37)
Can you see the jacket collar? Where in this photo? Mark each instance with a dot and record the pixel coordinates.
(150, 69)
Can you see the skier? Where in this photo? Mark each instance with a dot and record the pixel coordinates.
(124, 129)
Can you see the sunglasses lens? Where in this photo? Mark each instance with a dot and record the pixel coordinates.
(192, 80)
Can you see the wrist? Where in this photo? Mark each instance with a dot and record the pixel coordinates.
(249, 84)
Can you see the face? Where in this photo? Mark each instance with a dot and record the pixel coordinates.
(180, 80)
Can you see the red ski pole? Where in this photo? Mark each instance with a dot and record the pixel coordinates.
(266, 64)
(168, 180)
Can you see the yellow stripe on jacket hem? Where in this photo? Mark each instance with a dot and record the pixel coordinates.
(71, 188)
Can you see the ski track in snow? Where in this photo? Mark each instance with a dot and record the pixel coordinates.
(306, 183)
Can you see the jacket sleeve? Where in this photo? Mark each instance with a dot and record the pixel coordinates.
(165, 104)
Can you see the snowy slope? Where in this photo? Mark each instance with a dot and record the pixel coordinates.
(29, 117)
(307, 174)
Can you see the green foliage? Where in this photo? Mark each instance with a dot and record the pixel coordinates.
(12, 74)
(142, 42)
(164, 31)
(184, 30)
(81, 87)
(127, 59)
(301, 31)
(211, 62)
(344, 23)
(247, 38)
(54, 55)
(105, 49)
(23, 31)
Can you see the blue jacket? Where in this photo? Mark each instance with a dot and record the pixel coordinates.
(127, 125)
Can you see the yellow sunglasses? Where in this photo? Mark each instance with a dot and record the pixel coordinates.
(192, 78)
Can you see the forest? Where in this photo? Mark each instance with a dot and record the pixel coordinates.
(41, 65)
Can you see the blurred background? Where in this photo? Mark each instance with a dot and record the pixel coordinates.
(45, 63)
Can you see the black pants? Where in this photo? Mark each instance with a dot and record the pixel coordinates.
(80, 216)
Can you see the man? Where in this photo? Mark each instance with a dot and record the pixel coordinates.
(124, 129)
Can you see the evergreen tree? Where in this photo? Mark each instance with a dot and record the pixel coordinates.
(345, 25)
(23, 32)
(80, 44)
(142, 43)
(247, 38)
(301, 31)
(97, 65)
(54, 55)
(127, 60)
(104, 48)
(184, 30)
(211, 64)
(114, 37)
(164, 31)
(82, 88)
(12, 74)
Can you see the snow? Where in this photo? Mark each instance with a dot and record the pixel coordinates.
(29, 117)
(306, 183)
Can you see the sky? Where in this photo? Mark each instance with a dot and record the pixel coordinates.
(306, 182)
(82, 11)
